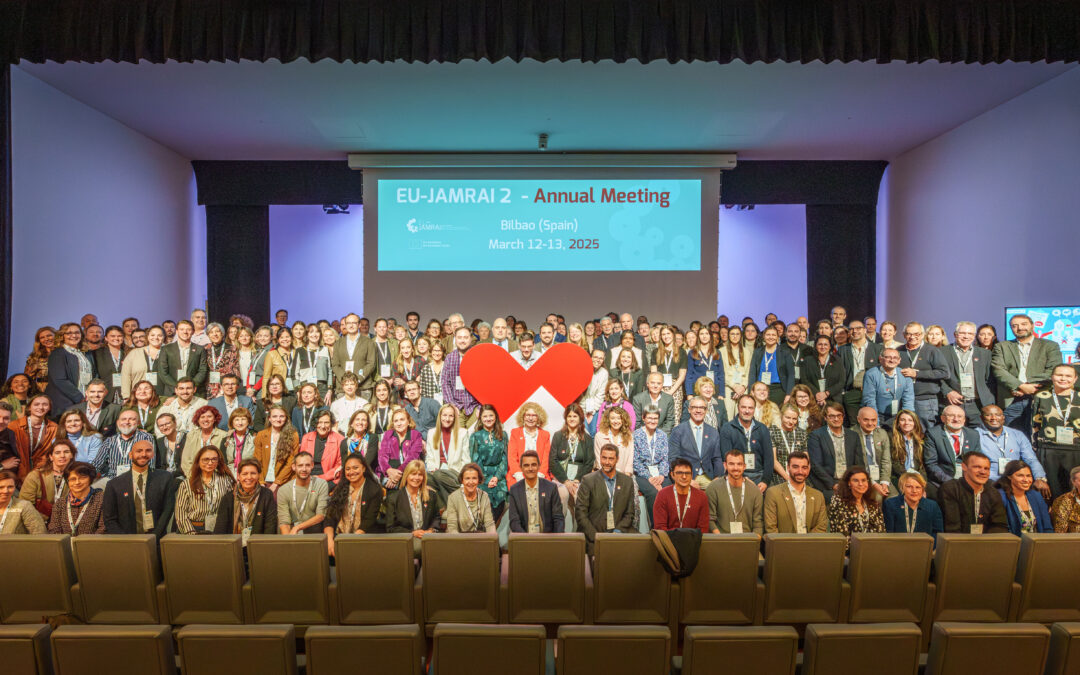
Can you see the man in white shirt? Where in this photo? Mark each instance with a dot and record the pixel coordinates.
(183, 405)
(500, 336)
(301, 503)
(547, 338)
(230, 400)
(795, 507)
(198, 320)
(525, 355)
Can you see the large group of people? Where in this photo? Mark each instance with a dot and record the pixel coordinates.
(347, 426)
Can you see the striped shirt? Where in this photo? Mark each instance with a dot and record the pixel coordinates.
(193, 508)
(114, 452)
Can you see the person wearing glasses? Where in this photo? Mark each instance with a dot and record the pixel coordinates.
(924, 364)
(681, 504)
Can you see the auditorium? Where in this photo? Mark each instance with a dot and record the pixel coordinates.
(539, 336)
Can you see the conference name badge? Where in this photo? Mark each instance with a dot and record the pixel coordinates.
(735, 526)
(894, 406)
(384, 370)
(977, 529)
(1002, 462)
(875, 473)
(215, 377)
(667, 380)
(1065, 435)
(766, 378)
(610, 520)
(959, 473)
(117, 380)
(151, 378)
(751, 461)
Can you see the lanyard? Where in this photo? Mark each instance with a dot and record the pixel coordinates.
(116, 360)
(667, 363)
(821, 368)
(731, 498)
(468, 509)
(783, 437)
(858, 358)
(75, 524)
(1068, 407)
(978, 503)
(626, 377)
(384, 351)
(290, 359)
(1004, 444)
(1024, 354)
(915, 357)
(244, 511)
(909, 523)
(895, 385)
(748, 432)
(352, 506)
(382, 417)
(303, 505)
(144, 413)
(610, 493)
(215, 359)
(307, 417)
(401, 449)
(650, 444)
(141, 494)
(30, 432)
(965, 366)
(255, 361)
(574, 443)
(708, 364)
(686, 507)
(150, 361)
(767, 362)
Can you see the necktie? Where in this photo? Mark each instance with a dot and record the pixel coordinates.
(139, 508)
(869, 450)
(956, 444)
(697, 437)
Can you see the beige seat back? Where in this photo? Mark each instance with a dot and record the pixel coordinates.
(333, 650)
(803, 578)
(289, 579)
(116, 650)
(1064, 655)
(46, 592)
(742, 649)
(460, 578)
(203, 578)
(974, 576)
(881, 648)
(375, 578)
(118, 578)
(888, 574)
(463, 649)
(967, 648)
(546, 580)
(724, 588)
(642, 650)
(630, 585)
(24, 649)
(268, 649)
(1049, 575)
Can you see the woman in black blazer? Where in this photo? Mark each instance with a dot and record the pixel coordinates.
(413, 508)
(249, 508)
(65, 363)
(354, 504)
(825, 365)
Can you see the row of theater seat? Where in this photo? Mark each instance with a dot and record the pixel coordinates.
(544, 579)
(466, 649)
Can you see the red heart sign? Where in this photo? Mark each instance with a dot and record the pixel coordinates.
(493, 376)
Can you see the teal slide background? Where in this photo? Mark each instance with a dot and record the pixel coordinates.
(511, 232)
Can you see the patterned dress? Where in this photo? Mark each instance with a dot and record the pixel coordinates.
(785, 443)
(491, 454)
(226, 363)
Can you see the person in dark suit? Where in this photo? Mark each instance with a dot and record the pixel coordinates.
(774, 366)
(548, 513)
(752, 439)
(414, 508)
(923, 363)
(858, 356)
(958, 504)
(182, 359)
(1021, 366)
(107, 361)
(945, 446)
(794, 347)
(911, 511)
(68, 367)
(230, 400)
(822, 444)
(354, 353)
(99, 412)
(140, 501)
(823, 372)
(970, 383)
(606, 338)
(654, 395)
(696, 442)
(605, 499)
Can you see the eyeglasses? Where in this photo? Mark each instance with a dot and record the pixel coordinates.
(208, 460)
(680, 473)
(697, 407)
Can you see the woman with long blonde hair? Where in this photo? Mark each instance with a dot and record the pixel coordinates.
(413, 508)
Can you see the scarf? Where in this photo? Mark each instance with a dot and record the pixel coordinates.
(241, 499)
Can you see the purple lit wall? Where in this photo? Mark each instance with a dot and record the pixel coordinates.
(316, 262)
(771, 238)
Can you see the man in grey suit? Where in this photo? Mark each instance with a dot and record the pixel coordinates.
(181, 359)
(654, 395)
(969, 384)
(230, 400)
(877, 452)
(733, 508)
(354, 353)
(605, 499)
(500, 335)
(1022, 366)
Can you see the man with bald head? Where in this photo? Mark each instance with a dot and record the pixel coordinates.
(500, 335)
(885, 389)
(877, 451)
(946, 444)
(1002, 445)
(626, 323)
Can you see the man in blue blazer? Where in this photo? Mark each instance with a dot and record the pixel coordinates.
(229, 400)
(696, 442)
(822, 450)
(886, 389)
(548, 504)
(750, 437)
(945, 446)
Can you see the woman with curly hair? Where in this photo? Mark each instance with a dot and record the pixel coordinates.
(528, 435)
(615, 428)
(853, 509)
(205, 432)
(37, 363)
(810, 415)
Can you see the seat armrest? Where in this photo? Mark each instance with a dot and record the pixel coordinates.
(845, 602)
(589, 593)
(418, 598)
(77, 607)
(247, 595)
(927, 622)
(164, 615)
(673, 608)
(1014, 602)
(759, 602)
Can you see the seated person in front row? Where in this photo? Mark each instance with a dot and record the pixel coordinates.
(414, 507)
(605, 499)
(734, 501)
(248, 508)
(468, 509)
(911, 511)
(534, 502)
(680, 505)
(968, 506)
(142, 500)
(354, 505)
(301, 503)
(795, 507)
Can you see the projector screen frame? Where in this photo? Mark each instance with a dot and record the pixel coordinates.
(361, 161)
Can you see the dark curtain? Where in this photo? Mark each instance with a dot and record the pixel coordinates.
(238, 262)
(794, 31)
(841, 259)
(5, 217)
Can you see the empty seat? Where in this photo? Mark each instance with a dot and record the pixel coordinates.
(118, 578)
(38, 574)
(1064, 655)
(1049, 578)
(642, 650)
(974, 577)
(889, 577)
(289, 579)
(24, 649)
(881, 648)
(116, 650)
(724, 588)
(213, 649)
(465, 649)
(460, 578)
(741, 649)
(629, 583)
(203, 577)
(375, 578)
(547, 581)
(804, 578)
(966, 648)
(333, 650)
